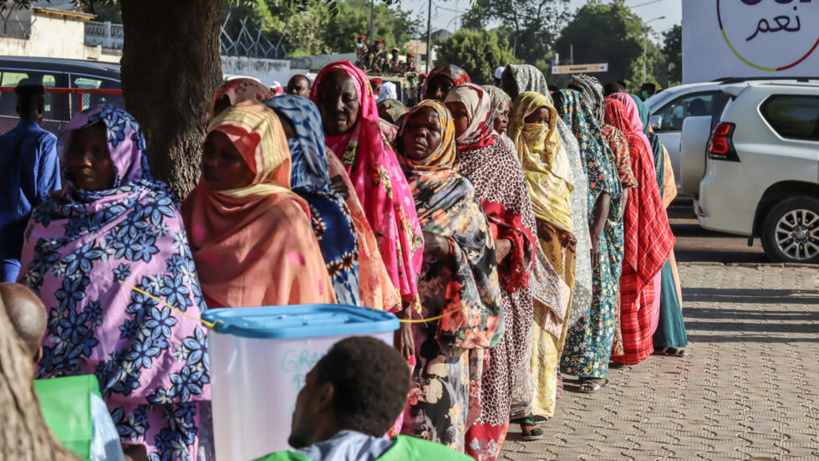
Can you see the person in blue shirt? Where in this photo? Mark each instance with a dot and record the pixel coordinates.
(29, 171)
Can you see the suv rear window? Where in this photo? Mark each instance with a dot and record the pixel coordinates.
(793, 116)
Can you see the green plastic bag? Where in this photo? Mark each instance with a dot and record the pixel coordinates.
(66, 407)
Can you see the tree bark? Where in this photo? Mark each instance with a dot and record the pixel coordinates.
(171, 67)
(24, 435)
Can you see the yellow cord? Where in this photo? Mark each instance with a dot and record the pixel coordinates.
(204, 322)
(430, 319)
(210, 325)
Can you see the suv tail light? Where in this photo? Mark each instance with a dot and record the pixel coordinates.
(721, 143)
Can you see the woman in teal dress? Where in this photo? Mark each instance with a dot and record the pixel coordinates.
(588, 342)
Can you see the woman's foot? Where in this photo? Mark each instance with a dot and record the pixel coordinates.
(529, 430)
(673, 352)
(541, 420)
(592, 385)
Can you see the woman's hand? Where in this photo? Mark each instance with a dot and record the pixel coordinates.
(502, 249)
(339, 186)
(567, 240)
(436, 247)
(404, 341)
(545, 230)
(595, 252)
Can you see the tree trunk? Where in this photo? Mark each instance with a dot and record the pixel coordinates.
(24, 435)
(170, 70)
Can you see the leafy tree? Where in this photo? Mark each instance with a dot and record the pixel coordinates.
(477, 52)
(610, 33)
(672, 50)
(530, 26)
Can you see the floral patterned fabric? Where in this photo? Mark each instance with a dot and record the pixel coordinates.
(310, 179)
(501, 187)
(466, 290)
(151, 362)
(618, 144)
(380, 185)
(588, 342)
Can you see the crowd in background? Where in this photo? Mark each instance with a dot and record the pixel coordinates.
(523, 229)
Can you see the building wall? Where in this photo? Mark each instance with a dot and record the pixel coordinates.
(266, 70)
(53, 37)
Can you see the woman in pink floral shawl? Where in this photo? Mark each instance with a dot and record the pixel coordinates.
(350, 118)
(113, 223)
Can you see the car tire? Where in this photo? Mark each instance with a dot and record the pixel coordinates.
(790, 233)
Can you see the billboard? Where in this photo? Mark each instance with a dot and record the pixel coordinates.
(749, 38)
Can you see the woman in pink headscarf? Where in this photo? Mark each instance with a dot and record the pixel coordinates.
(350, 118)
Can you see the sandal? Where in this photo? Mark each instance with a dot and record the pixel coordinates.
(541, 420)
(674, 352)
(589, 387)
(529, 430)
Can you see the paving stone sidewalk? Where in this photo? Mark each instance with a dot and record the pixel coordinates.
(748, 390)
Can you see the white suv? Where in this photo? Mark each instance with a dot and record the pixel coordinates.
(762, 170)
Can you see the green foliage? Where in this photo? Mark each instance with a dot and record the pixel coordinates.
(477, 52)
(610, 33)
(672, 50)
(530, 26)
(323, 27)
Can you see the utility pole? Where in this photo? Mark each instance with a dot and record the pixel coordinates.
(645, 37)
(372, 24)
(429, 37)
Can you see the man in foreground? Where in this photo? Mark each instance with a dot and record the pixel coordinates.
(351, 398)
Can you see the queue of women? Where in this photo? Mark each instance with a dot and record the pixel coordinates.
(529, 226)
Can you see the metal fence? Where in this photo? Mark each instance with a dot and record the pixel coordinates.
(61, 105)
(251, 43)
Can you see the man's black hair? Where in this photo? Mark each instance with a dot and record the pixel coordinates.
(294, 78)
(370, 381)
(30, 96)
(614, 87)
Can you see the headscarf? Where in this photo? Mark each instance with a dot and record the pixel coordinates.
(657, 149)
(451, 71)
(380, 184)
(528, 78)
(447, 206)
(388, 91)
(393, 108)
(253, 246)
(592, 92)
(445, 156)
(479, 132)
(544, 162)
(149, 359)
(241, 89)
(310, 179)
(633, 114)
(500, 100)
(649, 239)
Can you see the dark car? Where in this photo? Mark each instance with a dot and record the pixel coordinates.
(71, 85)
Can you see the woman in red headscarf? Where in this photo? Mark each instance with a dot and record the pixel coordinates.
(442, 79)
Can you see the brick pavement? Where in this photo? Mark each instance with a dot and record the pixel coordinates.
(747, 391)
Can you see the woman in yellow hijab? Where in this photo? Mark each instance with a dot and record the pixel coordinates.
(533, 128)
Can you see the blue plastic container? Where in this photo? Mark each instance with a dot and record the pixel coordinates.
(259, 358)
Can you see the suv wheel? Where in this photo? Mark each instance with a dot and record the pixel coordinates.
(791, 231)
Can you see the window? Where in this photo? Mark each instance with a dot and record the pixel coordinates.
(56, 105)
(674, 113)
(793, 116)
(93, 99)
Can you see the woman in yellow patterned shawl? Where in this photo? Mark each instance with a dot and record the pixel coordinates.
(533, 128)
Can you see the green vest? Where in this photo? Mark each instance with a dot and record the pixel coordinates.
(66, 407)
(404, 449)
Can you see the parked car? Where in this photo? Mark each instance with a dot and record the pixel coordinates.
(76, 81)
(762, 169)
(673, 107)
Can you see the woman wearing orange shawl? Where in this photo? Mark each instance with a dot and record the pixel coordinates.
(249, 233)
(350, 118)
